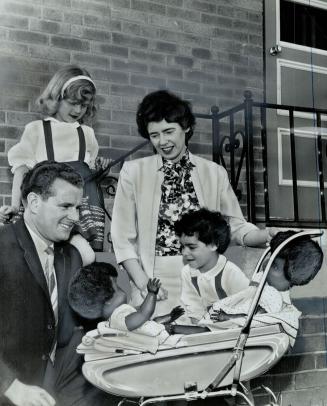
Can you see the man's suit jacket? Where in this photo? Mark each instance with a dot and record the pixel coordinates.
(137, 202)
(27, 324)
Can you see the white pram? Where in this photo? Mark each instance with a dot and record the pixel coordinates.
(194, 366)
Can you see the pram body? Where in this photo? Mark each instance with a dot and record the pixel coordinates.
(194, 362)
(201, 365)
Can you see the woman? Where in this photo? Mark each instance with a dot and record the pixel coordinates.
(153, 192)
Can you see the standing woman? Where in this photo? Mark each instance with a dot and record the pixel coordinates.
(153, 192)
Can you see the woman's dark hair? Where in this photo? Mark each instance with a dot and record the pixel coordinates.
(210, 227)
(90, 288)
(41, 177)
(163, 105)
(303, 257)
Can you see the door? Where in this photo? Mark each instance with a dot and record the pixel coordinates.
(296, 74)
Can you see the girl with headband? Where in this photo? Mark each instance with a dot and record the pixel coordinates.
(68, 102)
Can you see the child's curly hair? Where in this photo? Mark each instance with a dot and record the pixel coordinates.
(303, 257)
(210, 227)
(90, 288)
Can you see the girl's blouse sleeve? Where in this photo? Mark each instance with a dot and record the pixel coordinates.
(92, 145)
(24, 152)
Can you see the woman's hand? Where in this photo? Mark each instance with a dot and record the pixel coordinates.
(271, 232)
(259, 237)
(162, 294)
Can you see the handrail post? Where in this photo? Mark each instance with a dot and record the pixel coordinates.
(215, 134)
(294, 165)
(250, 186)
(320, 169)
(263, 118)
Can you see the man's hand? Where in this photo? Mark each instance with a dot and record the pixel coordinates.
(153, 285)
(27, 395)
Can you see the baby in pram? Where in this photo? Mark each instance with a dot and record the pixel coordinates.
(95, 295)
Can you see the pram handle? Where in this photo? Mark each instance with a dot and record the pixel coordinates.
(236, 358)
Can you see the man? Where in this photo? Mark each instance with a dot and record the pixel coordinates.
(38, 330)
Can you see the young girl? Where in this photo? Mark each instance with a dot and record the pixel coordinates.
(68, 101)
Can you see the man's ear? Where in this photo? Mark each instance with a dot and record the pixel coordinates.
(33, 201)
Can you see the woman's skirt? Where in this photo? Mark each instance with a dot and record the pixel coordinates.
(168, 270)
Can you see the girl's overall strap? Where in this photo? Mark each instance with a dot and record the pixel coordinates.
(82, 146)
(48, 139)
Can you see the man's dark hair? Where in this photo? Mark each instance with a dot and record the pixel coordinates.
(303, 257)
(41, 178)
(210, 227)
(90, 288)
(163, 105)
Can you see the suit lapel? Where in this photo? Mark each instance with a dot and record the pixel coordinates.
(30, 254)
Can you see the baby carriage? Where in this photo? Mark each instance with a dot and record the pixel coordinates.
(197, 366)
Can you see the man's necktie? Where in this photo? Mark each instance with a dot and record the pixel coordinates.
(50, 276)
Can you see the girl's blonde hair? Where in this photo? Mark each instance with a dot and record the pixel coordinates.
(79, 90)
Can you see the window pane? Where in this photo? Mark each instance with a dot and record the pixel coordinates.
(303, 25)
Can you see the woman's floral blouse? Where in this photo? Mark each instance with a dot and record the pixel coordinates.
(178, 197)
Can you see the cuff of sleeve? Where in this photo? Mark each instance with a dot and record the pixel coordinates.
(241, 234)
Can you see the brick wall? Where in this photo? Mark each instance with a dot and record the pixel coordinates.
(207, 51)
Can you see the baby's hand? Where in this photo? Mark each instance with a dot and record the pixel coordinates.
(153, 285)
(177, 312)
(219, 315)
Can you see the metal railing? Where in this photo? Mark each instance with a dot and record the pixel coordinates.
(251, 109)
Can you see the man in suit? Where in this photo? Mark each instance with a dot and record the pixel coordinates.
(38, 330)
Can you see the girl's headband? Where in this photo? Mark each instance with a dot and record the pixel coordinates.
(73, 79)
